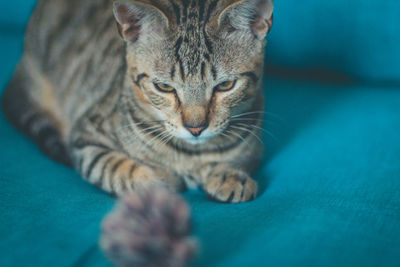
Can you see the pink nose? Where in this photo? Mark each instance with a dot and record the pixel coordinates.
(197, 130)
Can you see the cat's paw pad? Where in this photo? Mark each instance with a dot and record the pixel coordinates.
(231, 186)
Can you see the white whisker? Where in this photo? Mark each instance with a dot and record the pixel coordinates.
(247, 119)
(248, 113)
(258, 112)
(137, 124)
(249, 131)
(262, 129)
(229, 137)
(239, 136)
(154, 139)
(146, 133)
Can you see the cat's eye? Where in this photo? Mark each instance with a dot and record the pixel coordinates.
(165, 88)
(225, 86)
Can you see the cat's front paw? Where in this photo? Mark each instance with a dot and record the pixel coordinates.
(135, 176)
(231, 186)
(145, 176)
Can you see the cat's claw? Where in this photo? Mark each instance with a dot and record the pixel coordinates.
(231, 186)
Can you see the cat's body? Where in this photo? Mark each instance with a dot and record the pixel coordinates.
(85, 96)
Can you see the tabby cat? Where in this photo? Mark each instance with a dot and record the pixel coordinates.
(171, 96)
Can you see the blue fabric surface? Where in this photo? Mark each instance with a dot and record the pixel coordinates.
(330, 185)
(359, 37)
(14, 15)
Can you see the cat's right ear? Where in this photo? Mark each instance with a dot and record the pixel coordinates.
(135, 19)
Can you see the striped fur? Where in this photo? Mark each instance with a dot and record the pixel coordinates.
(92, 100)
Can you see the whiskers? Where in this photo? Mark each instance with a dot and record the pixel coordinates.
(249, 131)
(259, 128)
(155, 136)
(238, 136)
(132, 131)
(258, 116)
(152, 136)
(131, 125)
(258, 113)
(251, 123)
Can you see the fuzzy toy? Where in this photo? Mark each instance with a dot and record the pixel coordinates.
(149, 228)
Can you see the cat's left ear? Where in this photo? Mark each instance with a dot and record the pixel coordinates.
(253, 15)
(136, 19)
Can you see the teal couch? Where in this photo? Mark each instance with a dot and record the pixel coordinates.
(331, 175)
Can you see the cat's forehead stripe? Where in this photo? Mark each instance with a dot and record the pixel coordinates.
(173, 70)
(193, 43)
(203, 70)
(214, 72)
(185, 10)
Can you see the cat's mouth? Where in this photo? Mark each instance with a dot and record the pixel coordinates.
(203, 138)
(196, 140)
(189, 136)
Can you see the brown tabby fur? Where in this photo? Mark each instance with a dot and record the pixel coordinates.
(89, 99)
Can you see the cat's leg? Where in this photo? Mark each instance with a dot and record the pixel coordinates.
(102, 164)
(35, 121)
(225, 183)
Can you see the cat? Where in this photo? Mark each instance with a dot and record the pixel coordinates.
(147, 92)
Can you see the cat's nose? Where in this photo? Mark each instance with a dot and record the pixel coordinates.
(196, 130)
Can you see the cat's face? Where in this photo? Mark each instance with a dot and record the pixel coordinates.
(195, 73)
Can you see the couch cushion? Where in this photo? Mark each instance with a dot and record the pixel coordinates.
(15, 14)
(359, 37)
(331, 183)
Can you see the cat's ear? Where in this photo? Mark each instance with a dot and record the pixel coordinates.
(253, 15)
(135, 19)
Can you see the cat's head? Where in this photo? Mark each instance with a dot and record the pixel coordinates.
(195, 63)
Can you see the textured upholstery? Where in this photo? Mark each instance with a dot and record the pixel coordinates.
(358, 37)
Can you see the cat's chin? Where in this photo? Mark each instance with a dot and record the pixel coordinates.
(191, 140)
(196, 140)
